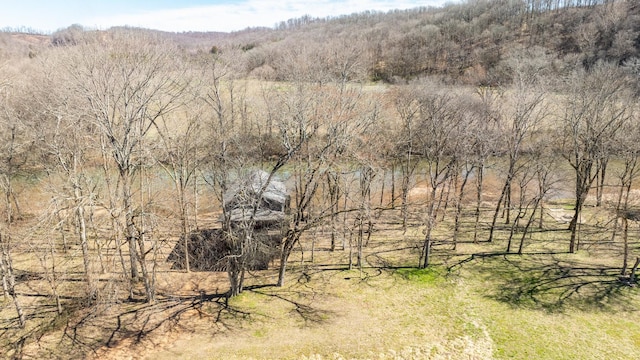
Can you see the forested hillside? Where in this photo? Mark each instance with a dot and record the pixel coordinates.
(429, 162)
(465, 43)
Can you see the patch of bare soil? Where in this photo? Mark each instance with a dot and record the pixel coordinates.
(31, 38)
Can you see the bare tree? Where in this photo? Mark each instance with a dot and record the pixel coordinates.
(65, 138)
(594, 111)
(471, 156)
(408, 109)
(228, 161)
(545, 170)
(626, 149)
(438, 137)
(524, 112)
(484, 143)
(535, 179)
(316, 124)
(179, 157)
(129, 81)
(15, 146)
(299, 127)
(333, 184)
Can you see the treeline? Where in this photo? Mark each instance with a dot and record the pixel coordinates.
(467, 43)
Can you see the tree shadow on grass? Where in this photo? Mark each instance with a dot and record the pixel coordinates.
(144, 321)
(92, 330)
(86, 330)
(141, 321)
(309, 314)
(301, 297)
(546, 282)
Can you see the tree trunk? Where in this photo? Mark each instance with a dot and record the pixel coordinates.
(584, 179)
(456, 226)
(7, 195)
(86, 257)
(430, 223)
(528, 225)
(522, 210)
(625, 239)
(97, 241)
(366, 177)
(9, 279)
(130, 227)
(289, 242)
(116, 229)
(359, 241)
(404, 205)
(5, 278)
(53, 280)
(573, 225)
(506, 209)
(427, 251)
(479, 186)
(393, 184)
(149, 287)
(512, 230)
(148, 281)
(184, 227)
(383, 182)
(344, 217)
(334, 198)
(602, 171)
(496, 212)
(195, 200)
(60, 227)
(234, 272)
(284, 257)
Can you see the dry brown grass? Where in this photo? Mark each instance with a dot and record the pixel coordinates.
(475, 303)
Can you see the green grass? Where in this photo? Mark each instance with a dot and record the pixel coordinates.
(423, 313)
(475, 302)
(429, 276)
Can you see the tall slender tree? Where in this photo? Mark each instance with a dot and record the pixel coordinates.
(594, 112)
(130, 81)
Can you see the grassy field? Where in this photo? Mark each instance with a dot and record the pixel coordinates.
(475, 302)
(494, 307)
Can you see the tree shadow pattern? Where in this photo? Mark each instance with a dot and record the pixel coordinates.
(87, 330)
(551, 283)
(91, 330)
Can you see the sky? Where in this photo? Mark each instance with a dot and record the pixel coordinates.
(187, 15)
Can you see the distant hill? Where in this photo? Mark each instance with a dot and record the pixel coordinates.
(20, 45)
(462, 43)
